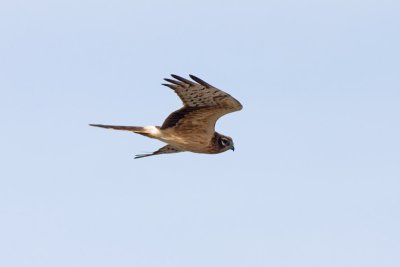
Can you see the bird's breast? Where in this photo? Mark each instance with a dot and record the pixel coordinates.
(193, 141)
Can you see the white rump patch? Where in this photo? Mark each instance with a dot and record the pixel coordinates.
(153, 130)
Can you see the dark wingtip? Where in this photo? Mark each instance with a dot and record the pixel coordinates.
(174, 82)
(141, 156)
(200, 81)
(179, 78)
(168, 85)
(169, 80)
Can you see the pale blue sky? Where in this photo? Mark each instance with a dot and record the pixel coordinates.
(314, 180)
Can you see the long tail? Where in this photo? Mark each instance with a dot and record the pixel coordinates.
(135, 129)
(117, 127)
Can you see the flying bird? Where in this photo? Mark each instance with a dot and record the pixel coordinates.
(192, 127)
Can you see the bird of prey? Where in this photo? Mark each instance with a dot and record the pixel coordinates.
(190, 128)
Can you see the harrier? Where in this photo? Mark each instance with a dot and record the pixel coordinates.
(190, 128)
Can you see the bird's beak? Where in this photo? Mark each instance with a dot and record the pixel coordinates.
(233, 148)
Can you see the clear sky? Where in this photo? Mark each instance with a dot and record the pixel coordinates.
(314, 179)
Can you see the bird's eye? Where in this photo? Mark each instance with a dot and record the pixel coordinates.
(224, 142)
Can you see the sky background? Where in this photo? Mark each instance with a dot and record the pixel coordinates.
(314, 179)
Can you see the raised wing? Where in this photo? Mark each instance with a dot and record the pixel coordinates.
(164, 150)
(203, 104)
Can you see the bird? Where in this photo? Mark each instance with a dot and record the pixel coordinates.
(192, 127)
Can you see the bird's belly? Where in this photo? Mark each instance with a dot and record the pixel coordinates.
(198, 143)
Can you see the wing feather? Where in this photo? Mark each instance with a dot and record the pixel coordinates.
(175, 82)
(203, 103)
(164, 150)
(179, 78)
(200, 81)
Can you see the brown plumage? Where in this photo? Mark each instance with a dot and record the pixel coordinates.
(191, 128)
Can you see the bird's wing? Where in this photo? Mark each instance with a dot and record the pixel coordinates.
(164, 150)
(203, 105)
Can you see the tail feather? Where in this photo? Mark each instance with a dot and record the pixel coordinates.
(149, 131)
(134, 129)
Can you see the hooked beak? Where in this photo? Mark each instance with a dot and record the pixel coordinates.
(233, 148)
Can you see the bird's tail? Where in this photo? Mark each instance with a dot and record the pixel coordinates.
(136, 129)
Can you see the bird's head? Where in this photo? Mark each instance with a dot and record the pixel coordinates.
(225, 143)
